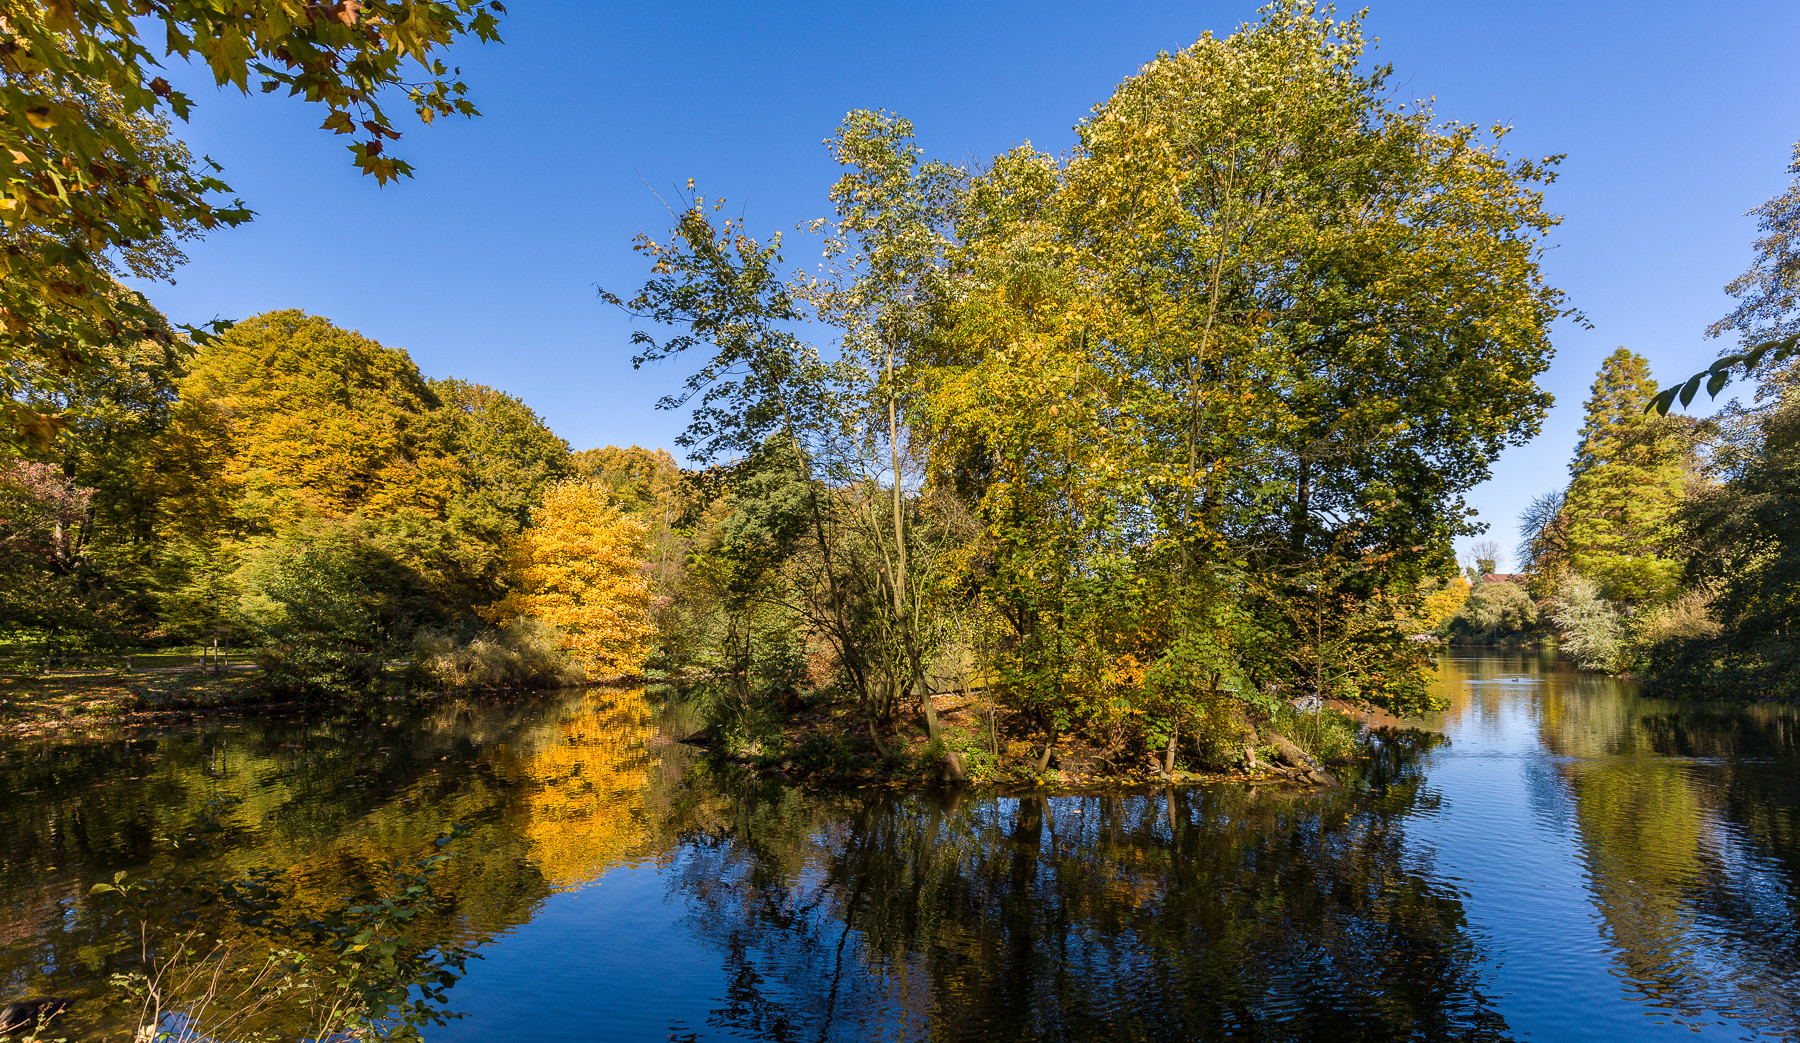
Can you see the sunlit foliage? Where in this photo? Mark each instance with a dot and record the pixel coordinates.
(1629, 473)
(91, 185)
(579, 567)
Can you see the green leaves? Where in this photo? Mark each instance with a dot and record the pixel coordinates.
(1719, 374)
(94, 175)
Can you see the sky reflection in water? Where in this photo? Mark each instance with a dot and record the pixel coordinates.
(1577, 862)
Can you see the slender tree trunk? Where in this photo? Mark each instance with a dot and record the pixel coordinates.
(902, 612)
(1302, 505)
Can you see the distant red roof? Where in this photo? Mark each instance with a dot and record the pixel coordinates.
(1505, 577)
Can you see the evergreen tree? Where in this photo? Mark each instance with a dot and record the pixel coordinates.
(1629, 472)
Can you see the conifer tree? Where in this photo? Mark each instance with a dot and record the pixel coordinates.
(1629, 472)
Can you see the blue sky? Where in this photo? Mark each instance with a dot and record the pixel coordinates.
(1675, 118)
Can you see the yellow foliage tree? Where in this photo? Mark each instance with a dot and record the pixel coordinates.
(1442, 599)
(580, 568)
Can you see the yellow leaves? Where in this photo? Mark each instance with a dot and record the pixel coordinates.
(580, 568)
(585, 785)
(1443, 601)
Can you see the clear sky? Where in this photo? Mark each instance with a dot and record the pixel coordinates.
(1676, 118)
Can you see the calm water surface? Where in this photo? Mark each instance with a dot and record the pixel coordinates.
(1574, 862)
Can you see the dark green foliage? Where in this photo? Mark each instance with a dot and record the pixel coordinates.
(1746, 543)
(330, 607)
(508, 457)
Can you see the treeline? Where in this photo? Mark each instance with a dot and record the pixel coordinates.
(302, 489)
(1673, 550)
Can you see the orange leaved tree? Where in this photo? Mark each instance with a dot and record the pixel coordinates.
(580, 567)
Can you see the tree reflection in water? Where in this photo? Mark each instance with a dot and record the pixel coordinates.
(1688, 821)
(1195, 914)
(552, 793)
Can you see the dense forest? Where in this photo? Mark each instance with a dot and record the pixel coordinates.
(1154, 442)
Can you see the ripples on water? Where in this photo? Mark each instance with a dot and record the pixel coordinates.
(1576, 862)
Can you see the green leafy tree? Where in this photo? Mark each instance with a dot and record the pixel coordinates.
(1767, 318)
(1237, 342)
(111, 415)
(894, 228)
(329, 606)
(1494, 611)
(1629, 473)
(761, 390)
(506, 456)
(1589, 627)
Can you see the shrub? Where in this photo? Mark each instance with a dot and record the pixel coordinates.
(1589, 628)
(1688, 617)
(523, 654)
(329, 608)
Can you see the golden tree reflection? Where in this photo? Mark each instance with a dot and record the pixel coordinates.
(585, 778)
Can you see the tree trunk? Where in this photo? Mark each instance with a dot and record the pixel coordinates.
(1298, 759)
(1043, 762)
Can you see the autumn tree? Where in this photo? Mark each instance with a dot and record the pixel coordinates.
(761, 392)
(315, 421)
(1236, 346)
(1628, 477)
(92, 183)
(579, 566)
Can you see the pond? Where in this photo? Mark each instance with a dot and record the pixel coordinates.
(1569, 860)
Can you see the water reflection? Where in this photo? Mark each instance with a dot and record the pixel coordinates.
(1213, 913)
(552, 794)
(1577, 856)
(1685, 818)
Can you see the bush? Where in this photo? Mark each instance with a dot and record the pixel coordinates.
(1325, 733)
(1589, 628)
(1687, 618)
(329, 609)
(523, 654)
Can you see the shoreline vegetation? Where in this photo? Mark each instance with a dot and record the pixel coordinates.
(816, 746)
